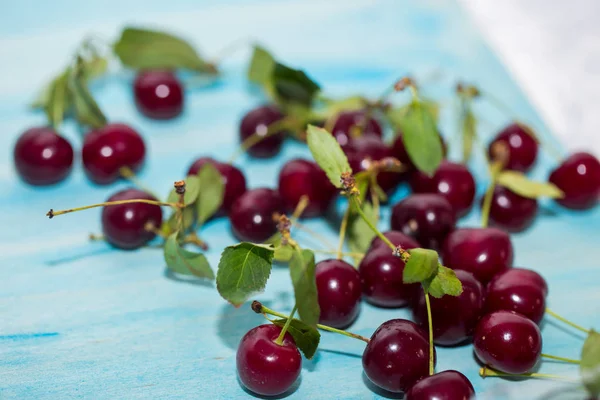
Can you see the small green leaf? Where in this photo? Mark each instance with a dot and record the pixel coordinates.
(589, 367)
(422, 265)
(359, 233)
(58, 100)
(172, 224)
(243, 271)
(284, 253)
(211, 189)
(519, 183)
(396, 115)
(306, 337)
(261, 66)
(328, 154)
(186, 262)
(87, 110)
(192, 188)
(443, 283)
(95, 67)
(469, 133)
(293, 85)
(302, 271)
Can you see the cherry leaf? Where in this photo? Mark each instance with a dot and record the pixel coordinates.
(443, 283)
(87, 110)
(421, 266)
(328, 154)
(469, 134)
(519, 183)
(58, 100)
(211, 190)
(359, 233)
(192, 189)
(172, 224)
(185, 262)
(589, 366)
(306, 337)
(302, 271)
(261, 66)
(293, 85)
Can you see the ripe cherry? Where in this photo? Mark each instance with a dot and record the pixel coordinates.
(510, 211)
(508, 342)
(252, 214)
(352, 124)
(447, 385)
(339, 290)
(42, 157)
(455, 316)
(300, 178)
(516, 145)
(397, 239)
(397, 355)
(426, 217)
(125, 225)
(579, 178)
(484, 252)
(106, 150)
(399, 151)
(158, 94)
(265, 367)
(257, 122)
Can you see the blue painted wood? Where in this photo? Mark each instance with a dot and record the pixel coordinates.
(110, 324)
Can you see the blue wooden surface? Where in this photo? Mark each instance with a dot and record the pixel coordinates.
(112, 324)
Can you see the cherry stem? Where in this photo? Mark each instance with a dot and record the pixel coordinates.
(567, 360)
(151, 228)
(96, 238)
(370, 225)
(343, 228)
(128, 174)
(193, 238)
(316, 235)
(300, 207)
(256, 137)
(288, 321)
(228, 50)
(430, 323)
(566, 321)
(495, 170)
(374, 196)
(486, 371)
(51, 214)
(348, 254)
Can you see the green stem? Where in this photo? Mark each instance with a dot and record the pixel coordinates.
(485, 372)
(495, 169)
(279, 339)
(51, 214)
(343, 228)
(346, 254)
(370, 225)
(567, 360)
(430, 323)
(128, 174)
(272, 129)
(566, 321)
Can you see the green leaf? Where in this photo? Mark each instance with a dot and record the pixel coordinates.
(519, 183)
(87, 110)
(302, 271)
(243, 271)
(444, 282)
(422, 265)
(58, 100)
(334, 107)
(282, 253)
(261, 66)
(293, 85)
(211, 189)
(589, 367)
(359, 233)
(328, 154)
(94, 67)
(186, 262)
(468, 133)
(306, 337)
(192, 189)
(172, 224)
(396, 115)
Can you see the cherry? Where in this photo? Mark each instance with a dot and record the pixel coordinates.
(579, 178)
(265, 367)
(42, 157)
(352, 124)
(257, 122)
(520, 147)
(484, 252)
(301, 177)
(397, 239)
(455, 316)
(252, 214)
(451, 180)
(124, 225)
(338, 288)
(508, 342)
(447, 385)
(399, 151)
(158, 94)
(107, 149)
(381, 279)
(520, 290)
(397, 355)
(233, 178)
(510, 211)
(426, 217)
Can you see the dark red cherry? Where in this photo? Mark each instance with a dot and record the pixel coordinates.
(158, 94)
(257, 121)
(265, 367)
(510, 211)
(484, 252)
(300, 178)
(338, 288)
(381, 279)
(579, 178)
(447, 385)
(426, 217)
(508, 342)
(527, 276)
(455, 316)
(399, 151)
(42, 157)
(251, 214)
(397, 355)
(233, 178)
(352, 124)
(107, 149)
(397, 239)
(124, 225)
(520, 147)
(451, 180)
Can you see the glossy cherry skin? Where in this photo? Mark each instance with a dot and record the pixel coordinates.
(299, 178)
(484, 252)
(521, 148)
(508, 342)
(426, 217)
(451, 180)
(399, 151)
(339, 291)
(251, 214)
(257, 122)
(381, 279)
(233, 178)
(42, 157)
(397, 355)
(455, 316)
(579, 178)
(158, 94)
(446, 385)
(107, 149)
(124, 225)
(350, 123)
(397, 239)
(510, 211)
(264, 367)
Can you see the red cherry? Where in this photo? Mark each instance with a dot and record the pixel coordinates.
(520, 146)
(257, 121)
(42, 157)
(251, 214)
(447, 385)
(510, 211)
(124, 225)
(338, 288)
(351, 124)
(264, 367)
(397, 239)
(158, 94)
(579, 178)
(107, 149)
